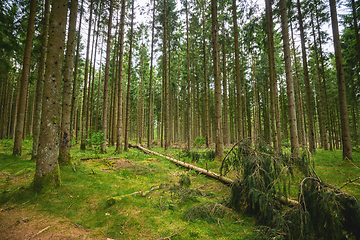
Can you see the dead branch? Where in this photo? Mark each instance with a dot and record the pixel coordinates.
(355, 179)
(38, 233)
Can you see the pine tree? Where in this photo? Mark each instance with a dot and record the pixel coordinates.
(47, 169)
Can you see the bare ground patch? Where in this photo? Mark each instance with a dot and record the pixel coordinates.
(20, 223)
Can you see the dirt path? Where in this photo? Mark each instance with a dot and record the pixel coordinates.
(20, 223)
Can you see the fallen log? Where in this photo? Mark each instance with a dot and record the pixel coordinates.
(208, 173)
(204, 171)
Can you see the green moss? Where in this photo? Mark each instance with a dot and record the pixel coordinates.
(47, 181)
(65, 159)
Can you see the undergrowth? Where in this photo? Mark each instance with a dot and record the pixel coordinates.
(82, 196)
(265, 184)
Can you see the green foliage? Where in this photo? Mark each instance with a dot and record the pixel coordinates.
(323, 211)
(207, 212)
(96, 140)
(185, 180)
(199, 141)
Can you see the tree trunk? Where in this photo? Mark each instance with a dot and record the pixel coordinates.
(237, 67)
(85, 104)
(121, 60)
(294, 140)
(217, 80)
(345, 127)
(327, 125)
(64, 151)
(273, 82)
(356, 29)
(166, 84)
(129, 80)
(299, 111)
(106, 80)
(24, 82)
(225, 97)
(16, 105)
(188, 113)
(74, 88)
(309, 107)
(206, 107)
(47, 169)
(150, 117)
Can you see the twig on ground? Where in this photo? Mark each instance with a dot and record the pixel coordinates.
(355, 179)
(38, 233)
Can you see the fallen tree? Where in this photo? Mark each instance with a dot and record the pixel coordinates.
(189, 166)
(264, 184)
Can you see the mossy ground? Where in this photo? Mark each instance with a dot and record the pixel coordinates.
(164, 212)
(81, 199)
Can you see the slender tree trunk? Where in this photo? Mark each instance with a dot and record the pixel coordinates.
(323, 137)
(150, 117)
(237, 67)
(85, 104)
(206, 107)
(106, 80)
(225, 97)
(140, 98)
(166, 84)
(127, 113)
(40, 81)
(327, 125)
(188, 108)
(16, 105)
(74, 88)
(299, 111)
(294, 140)
(121, 60)
(273, 81)
(24, 82)
(47, 169)
(217, 80)
(309, 107)
(64, 149)
(98, 92)
(356, 28)
(345, 127)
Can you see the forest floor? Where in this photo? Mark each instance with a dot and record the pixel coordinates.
(150, 204)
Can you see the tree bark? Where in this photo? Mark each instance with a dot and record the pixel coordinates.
(106, 80)
(150, 117)
(240, 135)
(309, 108)
(206, 107)
(327, 125)
(74, 88)
(47, 169)
(166, 84)
(188, 108)
(64, 151)
(127, 110)
(275, 115)
(24, 82)
(225, 94)
(294, 140)
(217, 80)
(121, 60)
(85, 104)
(345, 127)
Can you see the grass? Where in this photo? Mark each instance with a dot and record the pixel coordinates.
(83, 194)
(162, 213)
